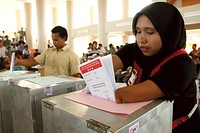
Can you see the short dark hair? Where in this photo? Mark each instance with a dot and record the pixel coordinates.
(110, 45)
(61, 30)
(94, 42)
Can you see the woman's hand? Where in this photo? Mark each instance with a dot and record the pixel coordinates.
(144, 91)
(117, 96)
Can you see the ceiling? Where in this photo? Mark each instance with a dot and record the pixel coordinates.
(7, 5)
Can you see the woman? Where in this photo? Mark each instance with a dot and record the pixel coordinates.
(160, 35)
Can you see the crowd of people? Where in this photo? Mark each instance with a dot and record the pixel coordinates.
(17, 44)
(96, 49)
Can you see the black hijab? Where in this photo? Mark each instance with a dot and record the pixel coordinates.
(169, 23)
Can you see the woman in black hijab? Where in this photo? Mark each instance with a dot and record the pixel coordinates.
(161, 66)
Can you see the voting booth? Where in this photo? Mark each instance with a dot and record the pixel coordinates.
(27, 95)
(79, 112)
(6, 78)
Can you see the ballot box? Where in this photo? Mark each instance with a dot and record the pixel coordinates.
(63, 115)
(6, 78)
(27, 95)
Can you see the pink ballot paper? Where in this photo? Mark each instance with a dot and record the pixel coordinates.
(99, 77)
(105, 105)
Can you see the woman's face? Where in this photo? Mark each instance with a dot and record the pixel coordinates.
(147, 37)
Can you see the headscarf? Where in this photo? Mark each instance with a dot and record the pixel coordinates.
(169, 23)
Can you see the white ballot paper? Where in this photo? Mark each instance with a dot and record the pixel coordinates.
(12, 63)
(99, 77)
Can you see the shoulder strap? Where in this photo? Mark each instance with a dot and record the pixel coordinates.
(183, 119)
(176, 53)
(157, 68)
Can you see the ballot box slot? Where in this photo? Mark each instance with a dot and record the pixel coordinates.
(97, 126)
(48, 105)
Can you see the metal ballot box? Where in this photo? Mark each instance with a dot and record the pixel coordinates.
(61, 115)
(6, 78)
(27, 95)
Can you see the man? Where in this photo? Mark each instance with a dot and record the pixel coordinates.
(3, 51)
(102, 49)
(195, 55)
(22, 34)
(112, 49)
(7, 44)
(59, 60)
(194, 51)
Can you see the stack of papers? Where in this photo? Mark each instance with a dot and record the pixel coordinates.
(99, 77)
(48, 80)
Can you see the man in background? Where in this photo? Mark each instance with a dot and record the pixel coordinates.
(59, 60)
(195, 55)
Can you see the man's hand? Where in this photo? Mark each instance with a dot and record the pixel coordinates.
(16, 61)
